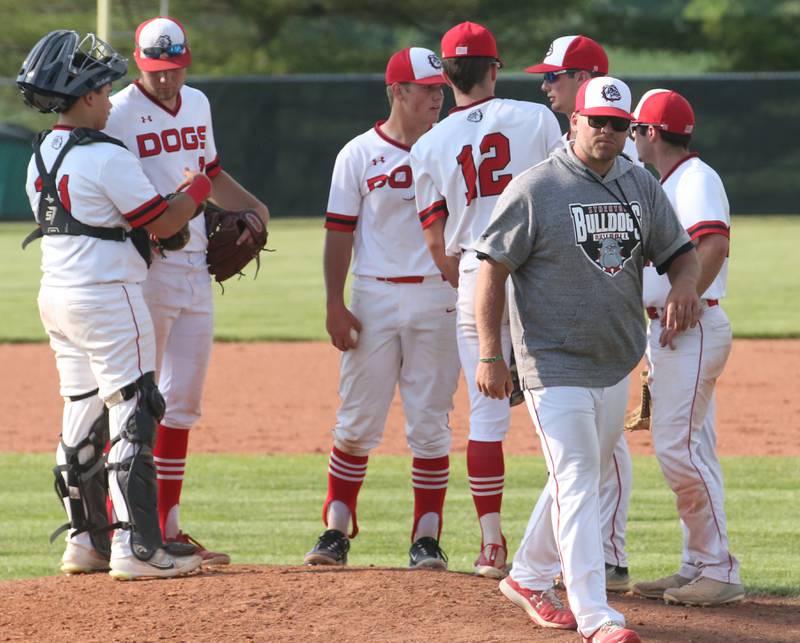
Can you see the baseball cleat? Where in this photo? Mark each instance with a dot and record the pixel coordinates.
(613, 633)
(705, 592)
(331, 549)
(617, 579)
(544, 607)
(492, 561)
(425, 553)
(160, 565)
(656, 588)
(80, 559)
(191, 546)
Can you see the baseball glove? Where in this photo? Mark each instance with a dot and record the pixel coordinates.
(639, 420)
(223, 228)
(176, 241)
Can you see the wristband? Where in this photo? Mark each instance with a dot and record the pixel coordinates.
(199, 188)
(491, 360)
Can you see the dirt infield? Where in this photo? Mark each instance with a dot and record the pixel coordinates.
(290, 403)
(321, 604)
(289, 408)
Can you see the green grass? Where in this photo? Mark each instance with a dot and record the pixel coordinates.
(287, 300)
(269, 513)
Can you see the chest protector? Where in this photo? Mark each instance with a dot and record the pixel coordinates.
(54, 218)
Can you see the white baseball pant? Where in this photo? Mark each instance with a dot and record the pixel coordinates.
(407, 339)
(488, 418)
(578, 428)
(178, 294)
(103, 339)
(682, 385)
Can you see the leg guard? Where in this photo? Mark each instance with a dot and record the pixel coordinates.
(135, 472)
(82, 486)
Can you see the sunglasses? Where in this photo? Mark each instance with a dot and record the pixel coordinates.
(640, 129)
(618, 124)
(552, 76)
(170, 50)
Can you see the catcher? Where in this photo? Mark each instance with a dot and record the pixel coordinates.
(168, 125)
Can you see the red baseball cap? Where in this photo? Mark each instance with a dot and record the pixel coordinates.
(469, 40)
(159, 37)
(415, 65)
(666, 110)
(572, 52)
(604, 96)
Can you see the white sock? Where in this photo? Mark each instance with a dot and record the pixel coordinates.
(490, 529)
(428, 526)
(338, 516)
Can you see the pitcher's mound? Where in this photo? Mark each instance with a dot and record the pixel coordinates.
(241, 603)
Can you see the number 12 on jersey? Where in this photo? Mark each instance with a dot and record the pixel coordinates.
(483, 179)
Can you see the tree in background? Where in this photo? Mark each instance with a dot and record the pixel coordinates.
(254, 37)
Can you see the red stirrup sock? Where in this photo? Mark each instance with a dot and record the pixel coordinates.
(346, 473)
(169, 455)
(486, 471)
(429, 476)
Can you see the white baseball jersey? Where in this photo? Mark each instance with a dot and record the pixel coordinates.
(167, 141)
(696, 192)
(372, 195)
(100, 184)
(465, 162)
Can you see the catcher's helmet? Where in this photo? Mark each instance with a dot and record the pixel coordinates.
(61, 67)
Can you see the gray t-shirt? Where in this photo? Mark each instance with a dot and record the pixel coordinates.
(576, 262)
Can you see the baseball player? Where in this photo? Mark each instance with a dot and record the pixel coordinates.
(574, 233)
(400, 327)
(569, 62)
(168, 126)
(684, 369)
(461, 167)
(93, 204)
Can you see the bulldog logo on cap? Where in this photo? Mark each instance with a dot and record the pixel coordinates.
(163, 41)
(611, 93)
(549, 51)
(433, 59)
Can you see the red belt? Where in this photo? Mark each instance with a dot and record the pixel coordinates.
(652, 311)
(404, 280)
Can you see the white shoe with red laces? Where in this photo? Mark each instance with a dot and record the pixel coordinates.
(209, 557)
(544, 608)
(492, 561)
(613, 633)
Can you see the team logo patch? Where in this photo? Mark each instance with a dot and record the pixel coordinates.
(57, 142)
(606, 233)
(163, 41)
(611, 93)
(549, 51)
(475, 116)
(434, 61)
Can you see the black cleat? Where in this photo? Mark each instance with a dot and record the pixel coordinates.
(331, 549)
(425, 553)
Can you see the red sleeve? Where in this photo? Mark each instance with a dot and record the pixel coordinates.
(213, 168)
(147, 212)
(340, 222)
(437, 210)
(709, 227)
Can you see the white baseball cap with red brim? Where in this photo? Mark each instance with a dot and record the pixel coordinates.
(161, 44)
(667, 110)
(572, 52)
(604, 96)
(415, 65)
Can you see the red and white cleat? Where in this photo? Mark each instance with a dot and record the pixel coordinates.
(544, 608)
(492, 561)
(209, 557)
(613, 633)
